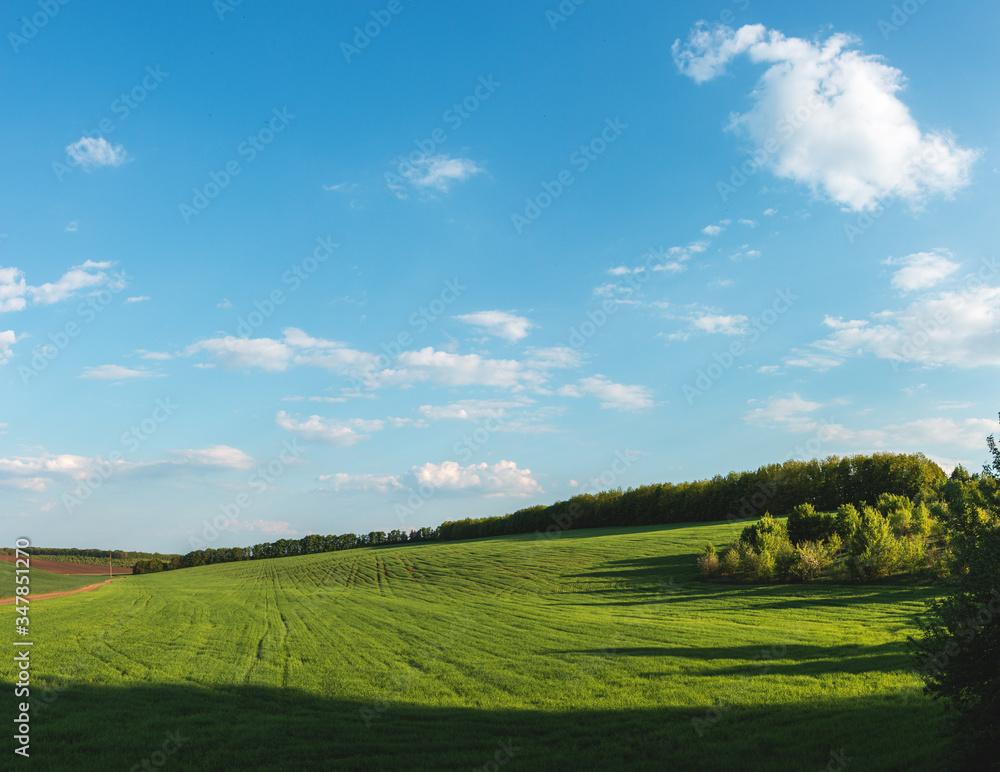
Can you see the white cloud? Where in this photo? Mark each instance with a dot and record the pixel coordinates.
(827, 116)
(770, 212)
(470, 409)
(501, 479)
(12, 290)
(613, 396)
(553, 358)
(922, 269)
(789, 412)
(224, 303)
(726, 324)
(438, 172)
(155, 355)
(749, 223)
(948, 328)
(79, 277)
(240, 353)
(115, 373)
(73, 226)
(91, 152)
(215, 455)
(137, 299)
(266, 526)
(712, 230)
(792, 413)
(383, 483)
(707, 321)
(460, 370)
(7, 341)
(33, 484)
(501, 324)
(343, 433)
(34, 473)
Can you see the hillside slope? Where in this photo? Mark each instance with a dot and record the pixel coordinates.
(600, 648)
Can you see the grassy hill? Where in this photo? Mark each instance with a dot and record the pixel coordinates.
(600, 649)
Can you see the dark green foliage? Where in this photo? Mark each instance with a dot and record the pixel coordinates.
(848, 521)
(777, 488)
(148, 566)
(805, 524)
(752, 534)
(958, 655)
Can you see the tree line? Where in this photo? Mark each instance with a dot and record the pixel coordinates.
(777, 488)
(307, 545)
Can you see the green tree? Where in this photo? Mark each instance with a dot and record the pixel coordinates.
(958, 654)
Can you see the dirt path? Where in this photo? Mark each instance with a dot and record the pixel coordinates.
(88, 588)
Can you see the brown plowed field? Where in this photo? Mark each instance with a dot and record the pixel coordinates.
(70, 569)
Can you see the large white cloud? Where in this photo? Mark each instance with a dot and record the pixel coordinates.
(829, 117)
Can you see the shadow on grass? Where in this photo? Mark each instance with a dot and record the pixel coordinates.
(675, 578)
(91, 727)
(806, 660)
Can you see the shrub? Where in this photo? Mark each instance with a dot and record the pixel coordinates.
(785, 557)
(848, 521)
(730, 563)
(811, 559)
(898, 510)
(921, 524)
(708, 562)
(751, 535)
(875, 551)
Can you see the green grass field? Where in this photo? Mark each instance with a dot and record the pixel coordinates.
(42, 581)
(598, 650)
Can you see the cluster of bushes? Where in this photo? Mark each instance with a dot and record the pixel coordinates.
(154, 566)
(896, 535)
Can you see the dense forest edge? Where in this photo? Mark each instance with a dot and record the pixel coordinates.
(776, 489)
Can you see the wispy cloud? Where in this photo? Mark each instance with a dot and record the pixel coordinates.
(501, 324)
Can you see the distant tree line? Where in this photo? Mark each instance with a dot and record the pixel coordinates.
(777, 488)
(75, 552)
(307, 545)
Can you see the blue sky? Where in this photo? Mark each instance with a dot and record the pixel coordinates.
(270, 270)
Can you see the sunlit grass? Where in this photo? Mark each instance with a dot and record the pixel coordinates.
(601, 647)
